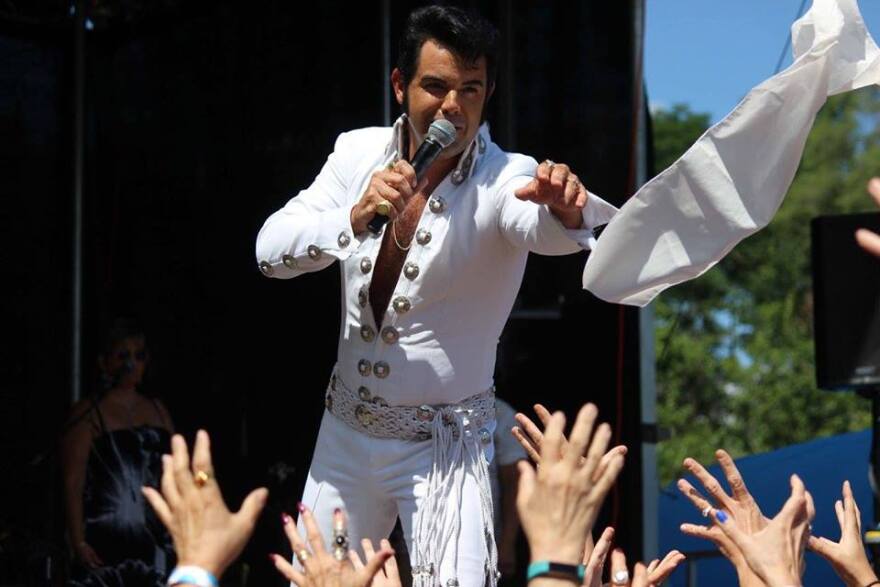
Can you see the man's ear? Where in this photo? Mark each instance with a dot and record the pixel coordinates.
(398, 85)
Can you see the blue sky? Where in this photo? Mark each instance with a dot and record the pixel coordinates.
(710, 53)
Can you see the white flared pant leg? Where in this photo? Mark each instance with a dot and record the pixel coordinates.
(376, 479)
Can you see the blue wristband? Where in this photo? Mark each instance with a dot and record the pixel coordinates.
(547, 568)
(192, 575)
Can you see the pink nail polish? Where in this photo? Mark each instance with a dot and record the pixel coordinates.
(301, 507)
(285, 519)
(272, 558)
(337, 511)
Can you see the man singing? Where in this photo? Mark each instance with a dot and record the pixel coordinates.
(410, 407)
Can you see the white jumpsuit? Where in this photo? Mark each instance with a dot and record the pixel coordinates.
(438, 337)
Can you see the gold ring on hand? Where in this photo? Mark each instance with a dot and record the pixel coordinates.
(201, 478)
(383, 208)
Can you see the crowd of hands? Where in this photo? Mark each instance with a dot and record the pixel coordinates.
(558, 502)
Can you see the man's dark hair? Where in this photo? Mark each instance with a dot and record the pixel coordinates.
(469, 36)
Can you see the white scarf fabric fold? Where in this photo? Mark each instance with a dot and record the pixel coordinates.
(731, 182)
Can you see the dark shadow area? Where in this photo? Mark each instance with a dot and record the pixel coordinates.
(202, 119)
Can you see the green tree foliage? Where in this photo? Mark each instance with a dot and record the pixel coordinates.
(735, 346)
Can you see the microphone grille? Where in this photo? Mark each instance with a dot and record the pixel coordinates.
(443, 132)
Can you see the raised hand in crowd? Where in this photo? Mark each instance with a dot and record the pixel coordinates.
(558, 504)
(323, 568)
(847, 556)
(776, 552)
(739, 506)
(651, 575)
(868, 240)
(530, 437)
(388, 575)
(595, 557)
(206, 534)
(620, 574)
(660, 569)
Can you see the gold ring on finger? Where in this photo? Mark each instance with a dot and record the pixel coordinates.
(549, 162)
(302, 556)
(383, 208)
(201, 478)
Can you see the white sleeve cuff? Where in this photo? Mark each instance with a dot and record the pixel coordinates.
(596, 213)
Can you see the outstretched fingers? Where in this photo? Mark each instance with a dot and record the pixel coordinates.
(287, 571)
(551, 446)
(659, 572)
(734, 478)
(795, 507)
(532, 449)
(597, 450)
(595, 559)
(694, 496)
(709, 483)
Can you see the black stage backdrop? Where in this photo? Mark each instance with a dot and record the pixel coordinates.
(202, 119)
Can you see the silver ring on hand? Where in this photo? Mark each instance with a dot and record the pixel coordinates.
(706, 511)
(620, 577)
(340, 543)
(549, 162)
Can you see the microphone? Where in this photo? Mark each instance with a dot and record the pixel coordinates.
(441, 134)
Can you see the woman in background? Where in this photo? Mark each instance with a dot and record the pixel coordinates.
(112, 446)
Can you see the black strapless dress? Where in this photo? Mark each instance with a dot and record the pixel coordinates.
(119, 524)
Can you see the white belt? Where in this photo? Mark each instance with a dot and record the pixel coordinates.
(373, 416)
